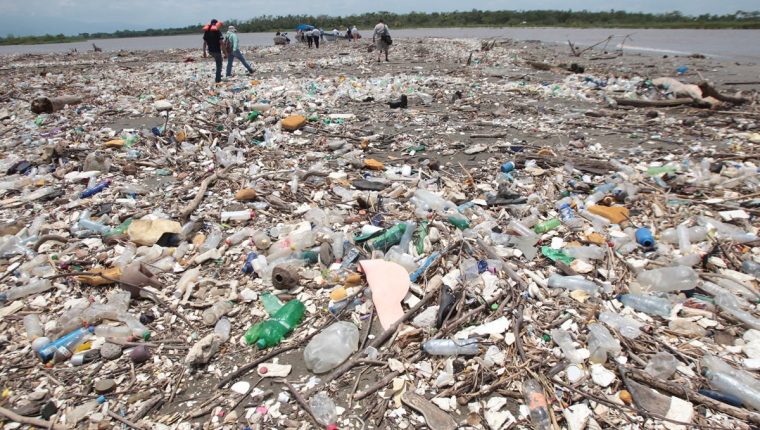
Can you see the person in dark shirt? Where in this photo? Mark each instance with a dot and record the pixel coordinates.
(212, 40)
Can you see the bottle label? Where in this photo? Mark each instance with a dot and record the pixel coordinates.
(536, 401)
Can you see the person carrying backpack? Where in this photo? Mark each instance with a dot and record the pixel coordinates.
(232, 48)
(382, 39)
(212, 39)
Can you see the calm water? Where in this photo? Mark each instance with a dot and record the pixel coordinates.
(723, 44)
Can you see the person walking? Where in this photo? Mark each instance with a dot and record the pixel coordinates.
(234, 43)
(315, 35)
(382, 39)
(212, 41)
(355, 34)
(309, 39)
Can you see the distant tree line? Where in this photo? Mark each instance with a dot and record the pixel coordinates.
(473, 18)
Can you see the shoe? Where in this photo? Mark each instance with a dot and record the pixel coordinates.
(249, 73)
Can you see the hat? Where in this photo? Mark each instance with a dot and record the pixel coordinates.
(232, 28)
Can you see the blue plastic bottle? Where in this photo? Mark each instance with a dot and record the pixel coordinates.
(96, 189)
(64, 345)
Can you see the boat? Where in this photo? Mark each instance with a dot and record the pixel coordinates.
(331, 37)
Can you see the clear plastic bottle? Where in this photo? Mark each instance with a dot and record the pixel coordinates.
(261, 240)
(565, 342)
(239, 236)
(668, 279)
(406, 239)
(750, 267)
(572, 283)
(216, 311)
(520, 228)
(222, 329)
(237, 215)
(648, 304)
(331, 347)
(591, 252)
(684, 244)
(696, 234)
(731, 305)
(87, 224)
(451, 347)
(35, 332)
(323, 408)
(628, 327)
(212, 241)
(35, 286)
(126, 256)
(121, 332)
(534, 396)
(601, 343)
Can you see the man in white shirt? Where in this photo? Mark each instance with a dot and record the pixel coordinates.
(315, 35)
(381, 37)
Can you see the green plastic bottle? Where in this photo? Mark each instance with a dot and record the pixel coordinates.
(271, 303)
(423, 232)
(391, 237)
(547, 225)
(269, 333)
(120, 229)
(459, 222)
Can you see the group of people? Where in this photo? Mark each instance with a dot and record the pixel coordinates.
(220, 45)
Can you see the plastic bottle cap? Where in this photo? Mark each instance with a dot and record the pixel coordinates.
(39, 343)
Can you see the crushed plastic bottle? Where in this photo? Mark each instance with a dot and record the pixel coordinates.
(216, 311)
(331, 347)
(573, 283)
(668, 279)
(535, 398)
(35, 286)
(648, 304)
(269, 333)
(451, 347)
(323, 408)
(565, 342)
(601, 343)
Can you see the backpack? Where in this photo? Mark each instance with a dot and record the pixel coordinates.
(227, 45)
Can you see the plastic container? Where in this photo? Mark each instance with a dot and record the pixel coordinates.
(248, 265)
(451, 347)
(662, 366)
(572, 283)
(534, 396)
(520, 228)
(222, 329)
(35, 332)
(212, 240)
(648, 304)
(601, 343)
(328, 349)
(696, 234)
(216, 311)
(87, 224)
(668, 279)
(261, 240)
(684, 244)
(565, 343)
(567, 216)
(121, 332)
(751, 268)
(35, 286)
(269, 333)
(507, 167)
(323, 408)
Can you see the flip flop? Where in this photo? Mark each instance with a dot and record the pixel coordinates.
(435, 418)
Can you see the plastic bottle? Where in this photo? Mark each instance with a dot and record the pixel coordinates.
(601, 343)
(237, 215)
(451, 347)
(271, 332)
(87, 224)
(644, 237)
(648, 304)
(216, 311)
(120, 229)
(628, 327)
(520, 228)
(668, 279)
(139, 330)
(546, 226)
(222, 329)
(406, 239)
(121, 332)
(239, 236)
(682, 232)
(507, 167)
(459, 222)
(35, 332)
(35, 286)
(261, 240)
(734, 386)
(591, 252)
(594, 218)
(567, 215)
(534, 396)
(64, 346)
(391, 237)
(96, 189)
(328, 349)
(248, 265)
(731, 305)
(750, 267)
(696, 234)
(323, 408)
(565, 343)
(212, 241)
(572, 283)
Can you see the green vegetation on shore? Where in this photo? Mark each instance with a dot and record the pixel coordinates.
(473, 18)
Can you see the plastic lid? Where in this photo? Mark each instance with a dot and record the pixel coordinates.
(146, 335)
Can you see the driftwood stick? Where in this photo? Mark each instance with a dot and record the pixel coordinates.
(30, 421)
(679, 390)
(654, 103)
(193, 205)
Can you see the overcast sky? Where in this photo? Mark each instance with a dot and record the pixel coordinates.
(25, 17)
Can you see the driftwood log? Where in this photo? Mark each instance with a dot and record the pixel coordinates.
(50, 105)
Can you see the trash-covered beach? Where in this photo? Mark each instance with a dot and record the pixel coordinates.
(482, 234)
